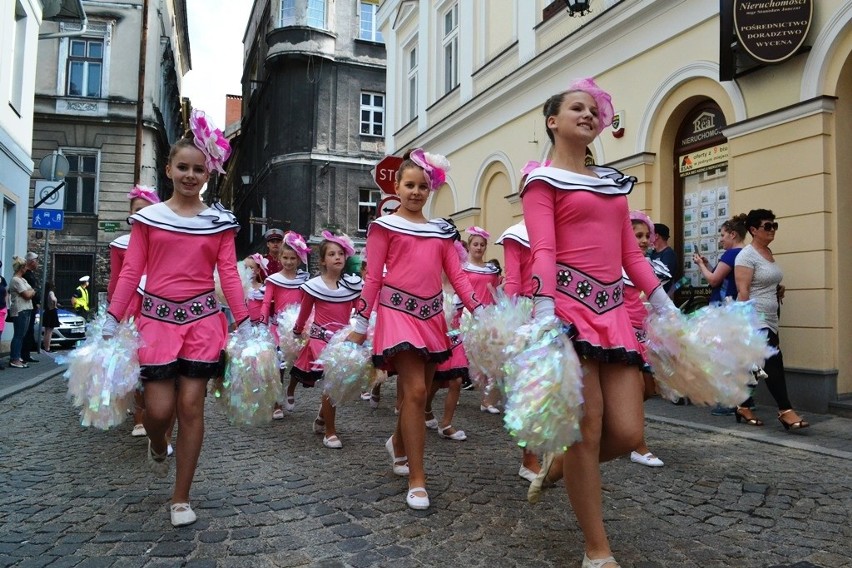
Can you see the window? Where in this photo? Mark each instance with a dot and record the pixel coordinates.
(82, 181)
(372, 114)
(67, 269)
(368, 200)
(85, 67)
(288, 13)
(369, 24)
(411, 86)
(19, 48)
(450, 46)
(316, 14)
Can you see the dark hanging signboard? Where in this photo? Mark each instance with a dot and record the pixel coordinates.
(772, 31)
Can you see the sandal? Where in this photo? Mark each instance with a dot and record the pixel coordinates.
(416, 501)
(540, 482)
(398, 464)
(332, 442)
(457, 435)
(431, 423)
(158, 463)
(182, 515)
(319, 425)
(744, 414)
(290, 405)
(608, 562)
(797, 425)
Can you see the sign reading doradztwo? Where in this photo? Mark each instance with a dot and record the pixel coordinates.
(772, 31)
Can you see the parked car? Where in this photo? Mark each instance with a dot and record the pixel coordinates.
(72, 328)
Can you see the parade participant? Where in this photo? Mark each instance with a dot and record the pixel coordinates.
(274, 242)
(484, 278)
(580, 238)
(140, 197)
(80, 298)
(411, 331)
(284, 289)
(257, 264)
(331, 297)
(183, 330)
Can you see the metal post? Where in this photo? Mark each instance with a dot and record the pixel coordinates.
(39, 338)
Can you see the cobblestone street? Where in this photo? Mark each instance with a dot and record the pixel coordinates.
(274, 496)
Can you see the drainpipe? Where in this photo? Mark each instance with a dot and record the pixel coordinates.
(140, 96)
(84, 23)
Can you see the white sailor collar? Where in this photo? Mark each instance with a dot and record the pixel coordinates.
(279, 280)
(609, 181)
(348, 288)
(121, 242)
(517, 233)
(487, 269)
(435, 228)
(214, 219)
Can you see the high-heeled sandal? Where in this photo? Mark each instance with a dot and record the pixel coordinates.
(740, 416)
(798, 425)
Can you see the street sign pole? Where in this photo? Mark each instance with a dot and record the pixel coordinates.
(39, 338)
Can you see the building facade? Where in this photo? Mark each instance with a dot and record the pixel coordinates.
(708, 130)
(108, 98)
(312, 121)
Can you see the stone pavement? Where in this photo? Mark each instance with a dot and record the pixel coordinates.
(729, 495)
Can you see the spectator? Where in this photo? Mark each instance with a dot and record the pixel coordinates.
(4, 306)
(80, 298)
(50, 318)
(21, 294)
(664, 252)
(274, 243)
(31, 276)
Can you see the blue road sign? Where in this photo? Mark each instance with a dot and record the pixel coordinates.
(48, 219)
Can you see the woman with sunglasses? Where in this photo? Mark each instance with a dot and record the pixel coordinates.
(758, 278)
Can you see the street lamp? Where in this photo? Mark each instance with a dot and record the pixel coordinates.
(577, 7)
(246, 179)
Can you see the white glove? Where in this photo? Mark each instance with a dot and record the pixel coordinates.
(244, 326)
(478, 310)
(360, 325)
(110, 326)
(544, 308)
(661, 303)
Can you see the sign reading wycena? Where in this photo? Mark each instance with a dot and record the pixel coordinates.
(772, 31)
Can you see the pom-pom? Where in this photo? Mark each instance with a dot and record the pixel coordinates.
(290, 344)
(544, 391)
(347, 368)
(489, 332)
(103, 374)
(708, 356)
(437, 161)
(252, 384)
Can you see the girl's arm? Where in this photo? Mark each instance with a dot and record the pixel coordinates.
(135, 261)
(718, 275)
(455, 274)
(116, 259)
(377, 243)
(265, 316)
(229, 277)
(305, 310)
(539, 204)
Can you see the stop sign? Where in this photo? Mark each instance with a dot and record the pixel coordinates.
(385, 173)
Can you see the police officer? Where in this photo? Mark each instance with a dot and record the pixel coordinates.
(80, 298)
(274, 242)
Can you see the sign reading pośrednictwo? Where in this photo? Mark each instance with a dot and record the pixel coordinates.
(772, 31)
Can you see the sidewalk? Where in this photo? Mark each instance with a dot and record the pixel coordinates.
(13, 381)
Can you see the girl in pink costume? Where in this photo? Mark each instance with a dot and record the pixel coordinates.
(140, 197)
(484, 277)
(580, 237)
(182, 327)
(331, 297)
(283, 289)
(254, 295)
(411, 331)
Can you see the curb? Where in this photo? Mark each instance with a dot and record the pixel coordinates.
(766, 439)
(29, 383)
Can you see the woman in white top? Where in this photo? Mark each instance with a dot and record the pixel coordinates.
(21, 309)
(758, 278)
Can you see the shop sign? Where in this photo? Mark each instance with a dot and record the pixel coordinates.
(109, 226)
(702, 160)
(772, 31)
(705, 128)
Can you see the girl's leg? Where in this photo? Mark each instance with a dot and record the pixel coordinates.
(290, 403)
(328, 414)
(45, 342)
(160, 402)
(190, 415)
(450, 403)
(410, 436)
(431, 422)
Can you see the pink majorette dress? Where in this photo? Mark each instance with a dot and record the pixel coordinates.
(484, 280)
(457, 365)
(280, 293)
(182, 325)
(580, 237)
(636, 307)
(408, 298)
(517, 261)
(254, 302)
(332, 310)
(117, 252)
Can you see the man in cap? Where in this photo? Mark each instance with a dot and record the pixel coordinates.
(30, 344)
(274, 242)
(80, 298)
(664, 252)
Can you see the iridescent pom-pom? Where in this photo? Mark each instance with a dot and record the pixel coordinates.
(708, 356)
(544, 399)
(489, 332)
(252, 382)
(347, 368)
(290, 344)
(103, 374)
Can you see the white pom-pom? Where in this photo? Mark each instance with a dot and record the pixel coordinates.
(437, 160)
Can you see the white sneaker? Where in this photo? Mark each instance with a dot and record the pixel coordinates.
(138, 431)
(415, 501)
(648, 459)
(290, 404)
(278, 414)
(490, 409)
(332, 442)
(527, 473)
(182, 515)
(432, 424)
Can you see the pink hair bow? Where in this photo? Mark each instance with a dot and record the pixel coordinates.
(297, 242)
(532, 164)
(479, 232)
(461, 251)
(436, 166)
(262, 262)
(210, 141)
(602, 99)
(640, 216)
(344, 242)
(149, 194)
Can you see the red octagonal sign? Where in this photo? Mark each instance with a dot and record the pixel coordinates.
(385, 173)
